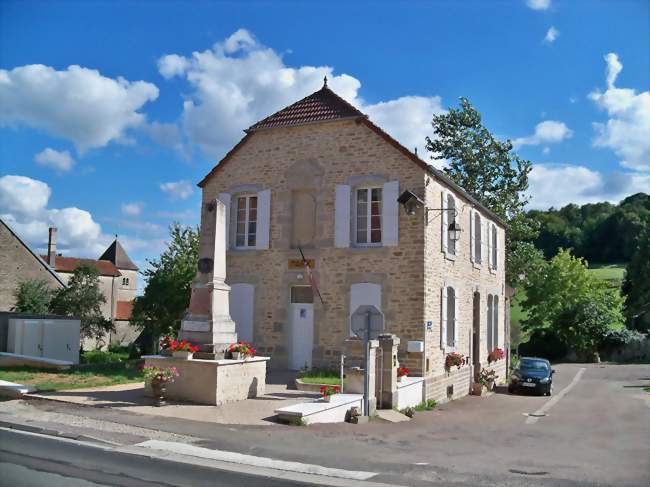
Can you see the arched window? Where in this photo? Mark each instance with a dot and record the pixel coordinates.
(495, 247)
(477, 237)
(448, 317)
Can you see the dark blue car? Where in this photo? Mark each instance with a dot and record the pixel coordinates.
(532, 374)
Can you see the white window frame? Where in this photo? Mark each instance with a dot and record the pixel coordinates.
(494, 247)
(353, 215)
(247, 221)
(492, 312)
(448, 216)
(444, 318)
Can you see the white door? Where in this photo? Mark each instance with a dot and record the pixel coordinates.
(242, 302)
(32, 338)
(301, 315)
(61, 340)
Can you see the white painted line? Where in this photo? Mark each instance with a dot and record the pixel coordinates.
(534, 417)
(254, 461)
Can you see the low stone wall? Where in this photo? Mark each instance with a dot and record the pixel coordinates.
(460, 379)
(213, 382)
(410, 392)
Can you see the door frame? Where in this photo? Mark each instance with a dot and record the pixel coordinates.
(292, 327)
(476, 335)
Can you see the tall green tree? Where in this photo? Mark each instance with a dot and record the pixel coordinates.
(82, 298)
(33, 296)
(637, 280)
(564, 297)
(489, 170)
(169, 278)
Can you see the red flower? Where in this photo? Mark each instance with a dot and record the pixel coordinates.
(403, 371)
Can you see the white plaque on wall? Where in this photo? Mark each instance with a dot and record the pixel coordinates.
(195, 325)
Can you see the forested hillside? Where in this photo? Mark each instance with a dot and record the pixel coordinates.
(599, 232)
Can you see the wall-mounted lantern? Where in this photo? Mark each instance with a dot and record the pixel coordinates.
(411, 202)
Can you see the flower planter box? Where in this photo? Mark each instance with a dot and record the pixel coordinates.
(182, 354)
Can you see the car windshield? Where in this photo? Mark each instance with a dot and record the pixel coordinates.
(533, 365)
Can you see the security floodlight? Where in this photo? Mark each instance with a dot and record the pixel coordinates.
(410, 201)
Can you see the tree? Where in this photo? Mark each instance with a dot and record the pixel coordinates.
(33, 296)
(169, 279)
(82, 298)
(637, 279)
(490, 171)
(565, 298)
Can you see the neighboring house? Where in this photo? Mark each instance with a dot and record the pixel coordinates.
(117, 281)
(19, 263)
(321, 176)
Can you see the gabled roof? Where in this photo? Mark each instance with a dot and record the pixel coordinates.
(69, 264)
(323, 106)
(36, 256)
(116, 254)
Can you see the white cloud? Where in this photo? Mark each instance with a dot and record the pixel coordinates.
(178, 189)
(167, 135)
(546, 132)
(546, 150)
(627, 131)
(53, 158)
(23, 205)
(240, 81)
(539, 4)
(551, 34)
(132, 209)
(77, 104)
(559, 184)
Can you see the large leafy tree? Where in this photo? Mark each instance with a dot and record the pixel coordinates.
(169, 279)
(83, 298)
(489, 170)
(33, 296)
(563, 297)
(637, 279)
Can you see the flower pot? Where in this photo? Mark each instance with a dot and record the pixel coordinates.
(159, 389)
(166, 352)
(477, 389)
(327, 398)
(238, 356)
(399, 378)
(182, 354)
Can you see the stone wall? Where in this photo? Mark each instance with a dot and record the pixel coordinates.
(18, 264)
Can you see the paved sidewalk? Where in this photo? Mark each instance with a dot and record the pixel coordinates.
(280, 392)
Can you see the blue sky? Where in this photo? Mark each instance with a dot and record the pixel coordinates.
(108, 119)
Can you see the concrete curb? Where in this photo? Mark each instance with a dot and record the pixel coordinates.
(51, 432)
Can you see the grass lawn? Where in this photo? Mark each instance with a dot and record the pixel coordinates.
(56, 380)
(614, 273)
(321, 377)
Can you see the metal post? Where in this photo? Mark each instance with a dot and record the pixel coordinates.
(366, 378)
(342, 365)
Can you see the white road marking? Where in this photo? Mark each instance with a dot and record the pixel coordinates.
(534, 417)
(262, 462)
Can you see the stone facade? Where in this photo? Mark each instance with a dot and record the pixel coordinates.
(18, 263)
(410, 273)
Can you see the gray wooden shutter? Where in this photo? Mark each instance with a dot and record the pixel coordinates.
(342, 216)
(390, 214)
(443, 318)
(444, 221)
(472, 237)
(263, 219)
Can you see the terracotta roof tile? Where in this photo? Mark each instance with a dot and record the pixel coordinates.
(124, 310)
(69, 264)
(321, 106)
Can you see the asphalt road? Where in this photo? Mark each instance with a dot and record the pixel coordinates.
(38, 461)
(594, 430)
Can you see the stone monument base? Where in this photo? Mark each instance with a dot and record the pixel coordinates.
(213, 382)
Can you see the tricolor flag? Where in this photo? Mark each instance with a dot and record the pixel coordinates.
(312, 280)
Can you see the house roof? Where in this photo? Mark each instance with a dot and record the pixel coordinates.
(116, 254)
(69, 264)
(323, 106)
(36, 256)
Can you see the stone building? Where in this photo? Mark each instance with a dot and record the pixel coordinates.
(19, 263)
(321, 177)
(117, 282)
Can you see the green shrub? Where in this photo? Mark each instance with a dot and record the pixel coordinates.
(101, 357)
(428, 405)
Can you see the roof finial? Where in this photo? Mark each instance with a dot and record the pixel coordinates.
(325, 82)
(116, 236)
